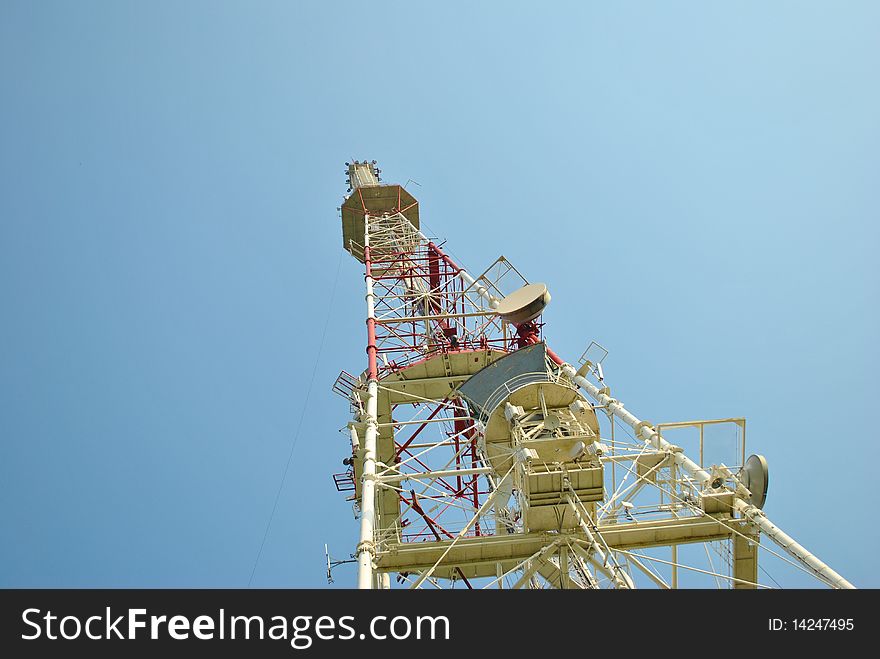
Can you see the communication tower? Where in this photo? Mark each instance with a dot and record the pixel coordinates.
(480, 458)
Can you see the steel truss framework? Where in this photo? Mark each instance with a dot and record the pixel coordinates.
(436, 510)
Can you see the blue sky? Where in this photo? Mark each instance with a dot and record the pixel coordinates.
(696, 182)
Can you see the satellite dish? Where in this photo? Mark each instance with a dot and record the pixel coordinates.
(755, 477)
(524, 304)
(551, 421)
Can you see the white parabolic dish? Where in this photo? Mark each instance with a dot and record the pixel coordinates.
(524, 304)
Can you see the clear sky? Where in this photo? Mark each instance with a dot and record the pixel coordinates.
(697, 182)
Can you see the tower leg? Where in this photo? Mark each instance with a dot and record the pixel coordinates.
(745, 558)
(383, 580)
(674, 583)
(366, 549)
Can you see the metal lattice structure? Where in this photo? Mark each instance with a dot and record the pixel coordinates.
(479, 457)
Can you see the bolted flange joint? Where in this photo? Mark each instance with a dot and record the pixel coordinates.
(368, 546)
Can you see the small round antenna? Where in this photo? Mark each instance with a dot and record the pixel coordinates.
(524, 304)
(754, 476)
(551, 422)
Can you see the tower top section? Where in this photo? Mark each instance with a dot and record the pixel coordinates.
(368, 196)
(362, 175)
